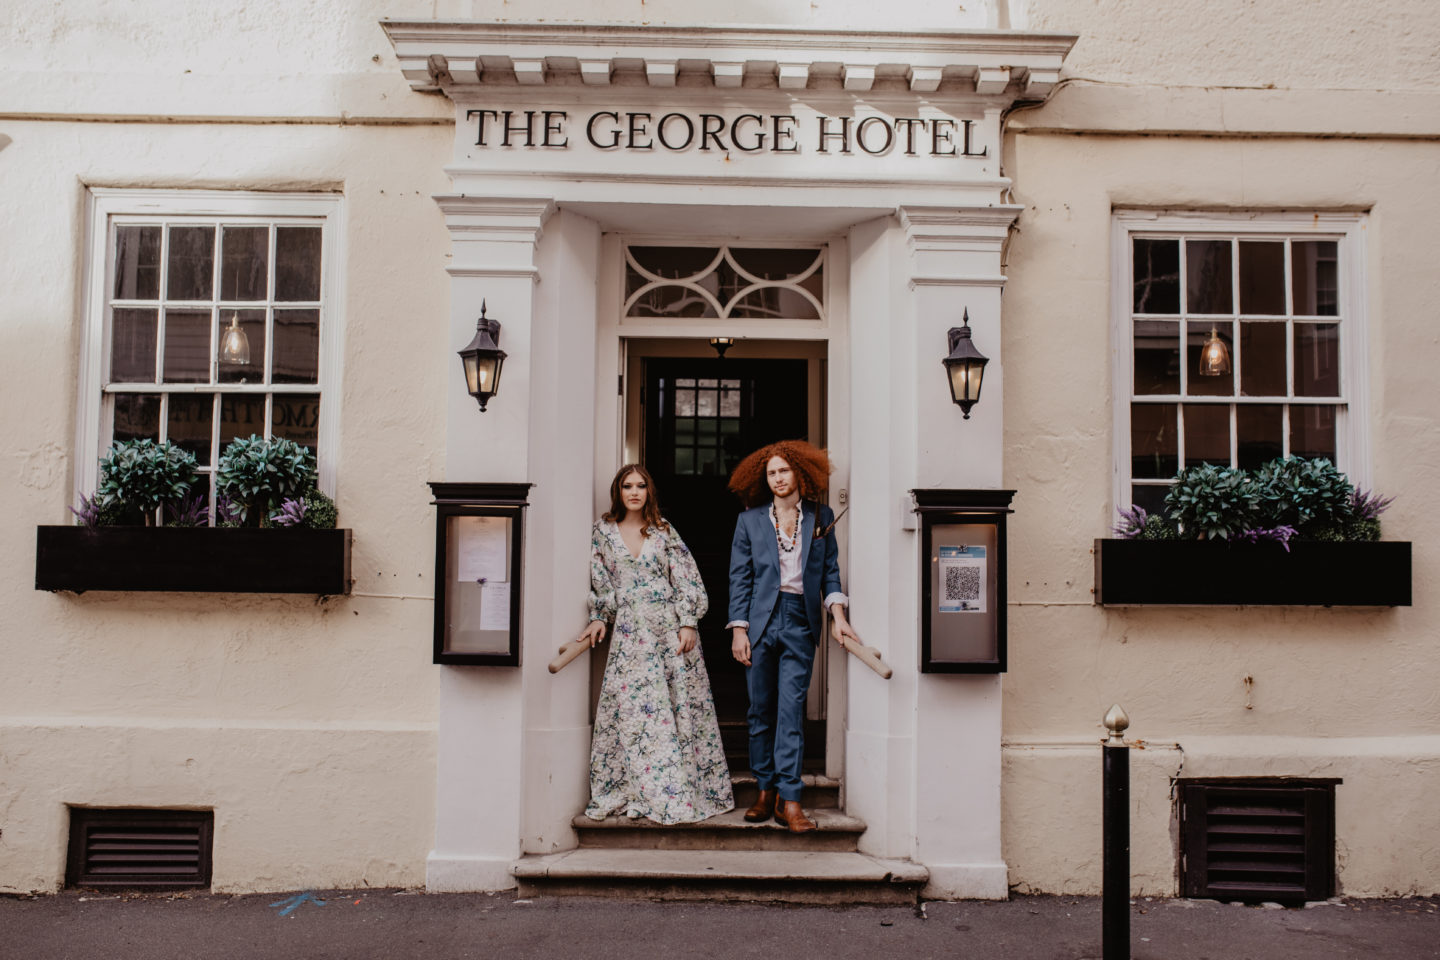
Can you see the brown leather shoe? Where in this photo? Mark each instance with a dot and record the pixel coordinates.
(788, 813)
(764, 807)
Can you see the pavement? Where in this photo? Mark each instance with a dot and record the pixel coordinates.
(376, 924)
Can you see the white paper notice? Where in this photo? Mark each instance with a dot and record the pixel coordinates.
(962, 580)
(481, 544)
(495, 605)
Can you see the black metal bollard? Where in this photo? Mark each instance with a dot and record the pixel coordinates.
(1115, 895)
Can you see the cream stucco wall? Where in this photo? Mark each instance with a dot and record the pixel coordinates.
(311, 728)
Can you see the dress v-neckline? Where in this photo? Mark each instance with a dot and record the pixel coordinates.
(634, 557)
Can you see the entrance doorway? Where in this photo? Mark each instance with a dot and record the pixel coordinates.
(692, 420)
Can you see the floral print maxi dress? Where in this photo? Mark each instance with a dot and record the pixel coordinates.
(656, 748)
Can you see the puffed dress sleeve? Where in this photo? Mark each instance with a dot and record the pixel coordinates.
(602, 578)
(691, 602)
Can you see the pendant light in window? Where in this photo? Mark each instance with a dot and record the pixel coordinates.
(1214, 356)
(234, 345)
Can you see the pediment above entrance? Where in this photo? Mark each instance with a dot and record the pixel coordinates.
(999, 65)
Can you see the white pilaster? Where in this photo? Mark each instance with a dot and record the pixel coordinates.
(480, 777)
(954, 261)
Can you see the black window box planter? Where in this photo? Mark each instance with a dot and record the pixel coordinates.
(193, 559)
(1312, 573)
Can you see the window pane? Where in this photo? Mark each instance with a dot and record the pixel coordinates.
(187, 346)
(1154, 452)
(672, 301)
(1201, 385)
(1262, 277)
(132, 345)
(1157, 356)
(241, 415)
(192, 263)
(296, 418)
(706, 405)
(188, 424)
(1312, 431)
(297, 263)
(774, 303)
(684, 460)
(1150, 496)
(675, 263)
(1316, 290)
(244, 254)
(1207, 276)
(137, 417)
(768, 264)
(137, 263)
(1317, 359)
(684, 430)
(1157, 276)
(1262, 359)
(730, 399)
(1207, 434)
(685, 403)
(1260, 434)
(706, 461)
(252, 322)
(297, 347)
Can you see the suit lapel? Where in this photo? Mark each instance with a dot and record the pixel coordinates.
(767, 530)
(807, 533)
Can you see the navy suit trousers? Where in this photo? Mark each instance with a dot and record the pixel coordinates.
(778, 679)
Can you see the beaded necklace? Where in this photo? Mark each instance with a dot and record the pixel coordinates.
(794, 533)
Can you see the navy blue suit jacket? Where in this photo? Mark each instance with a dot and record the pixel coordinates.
(755, 568)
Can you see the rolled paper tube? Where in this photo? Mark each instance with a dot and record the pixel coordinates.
(870, 657)
(568, 652)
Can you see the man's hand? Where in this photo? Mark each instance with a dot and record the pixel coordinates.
(594, 633)
(689, 636)
(840, 628)
(740, 645)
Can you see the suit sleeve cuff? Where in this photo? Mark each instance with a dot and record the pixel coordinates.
(738, 623)
(835, 598)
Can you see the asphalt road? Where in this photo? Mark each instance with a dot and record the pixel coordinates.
(375, 924)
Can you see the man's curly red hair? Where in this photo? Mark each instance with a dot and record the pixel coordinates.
(810, 464)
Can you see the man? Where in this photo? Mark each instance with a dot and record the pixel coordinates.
(784, 573)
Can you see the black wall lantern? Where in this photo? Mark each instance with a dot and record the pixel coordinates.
(965, 366)
(483, 359)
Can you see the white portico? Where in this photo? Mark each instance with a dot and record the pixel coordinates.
(884, 149)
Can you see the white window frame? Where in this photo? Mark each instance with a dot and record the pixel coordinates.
(1352, 440)
(104, 206)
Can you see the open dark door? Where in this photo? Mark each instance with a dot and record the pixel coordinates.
(702, 416)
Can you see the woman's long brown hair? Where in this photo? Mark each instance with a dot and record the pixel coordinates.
(650, 513)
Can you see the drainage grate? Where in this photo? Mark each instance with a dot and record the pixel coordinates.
(1258, 839)
(140, 849)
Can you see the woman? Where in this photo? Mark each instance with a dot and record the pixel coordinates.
(656, 748)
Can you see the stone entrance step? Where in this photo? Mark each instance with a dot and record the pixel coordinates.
(835, 832)
(784, 876)
(821, 792)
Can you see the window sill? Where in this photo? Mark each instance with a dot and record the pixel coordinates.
(192, 559)
(1200, 572)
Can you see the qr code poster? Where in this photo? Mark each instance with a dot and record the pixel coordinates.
(962, 579)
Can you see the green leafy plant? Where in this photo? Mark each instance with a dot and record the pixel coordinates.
(320, 512)
(1309, 495)
(1209, 502)
(257, 475)
(141, 475)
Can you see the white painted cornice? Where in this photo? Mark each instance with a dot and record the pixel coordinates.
(451, 56)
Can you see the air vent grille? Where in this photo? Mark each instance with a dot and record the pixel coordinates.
(140, 849)
(1258, 840)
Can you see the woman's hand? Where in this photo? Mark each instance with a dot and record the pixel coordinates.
(689, 637)
(594, 633)
(740, 645)
(840, 628)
